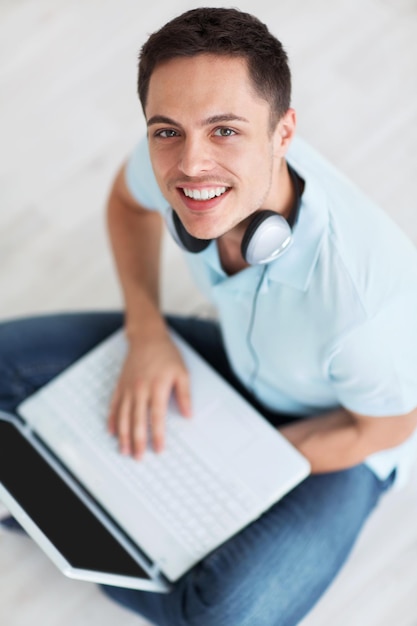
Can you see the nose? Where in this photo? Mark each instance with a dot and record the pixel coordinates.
(195, 158)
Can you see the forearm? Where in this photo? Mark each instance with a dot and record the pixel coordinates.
(338, 440)
(135, 237)
(330, 442)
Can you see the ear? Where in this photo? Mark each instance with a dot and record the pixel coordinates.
(284, 133)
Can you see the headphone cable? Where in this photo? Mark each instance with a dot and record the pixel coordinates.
(250, 330)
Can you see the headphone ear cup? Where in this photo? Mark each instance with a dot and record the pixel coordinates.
(181, 236)
(266, 238)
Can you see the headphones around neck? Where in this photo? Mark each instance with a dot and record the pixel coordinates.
(267, 235)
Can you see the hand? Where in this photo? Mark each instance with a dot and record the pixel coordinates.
(151, 372)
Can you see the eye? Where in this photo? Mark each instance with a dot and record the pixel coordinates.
(166, 133)
(224, 132)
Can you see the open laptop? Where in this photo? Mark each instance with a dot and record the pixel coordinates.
(110, 519)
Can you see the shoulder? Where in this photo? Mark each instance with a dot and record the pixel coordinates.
(362, 246)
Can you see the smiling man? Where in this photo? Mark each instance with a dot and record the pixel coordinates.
(316, 294)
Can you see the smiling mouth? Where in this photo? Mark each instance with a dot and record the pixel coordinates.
(204, 194)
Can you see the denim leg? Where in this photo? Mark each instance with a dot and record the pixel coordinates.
(33, 350)
(274, 571)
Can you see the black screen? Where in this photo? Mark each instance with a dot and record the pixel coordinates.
(67, 522)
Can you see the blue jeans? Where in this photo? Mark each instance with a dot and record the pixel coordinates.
(272, 572)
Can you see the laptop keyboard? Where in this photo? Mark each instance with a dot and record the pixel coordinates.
(186, 494)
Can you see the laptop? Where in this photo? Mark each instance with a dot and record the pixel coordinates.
(108, 518)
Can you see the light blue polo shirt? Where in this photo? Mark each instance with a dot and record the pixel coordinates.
(333, 321)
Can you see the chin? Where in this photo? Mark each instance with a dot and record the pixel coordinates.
(196, 228)
(202, 233)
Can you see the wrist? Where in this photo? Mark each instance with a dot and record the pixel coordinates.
(142, 330)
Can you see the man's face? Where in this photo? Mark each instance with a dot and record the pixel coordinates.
(211, 146)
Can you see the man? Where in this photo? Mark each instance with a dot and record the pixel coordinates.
(316, 293)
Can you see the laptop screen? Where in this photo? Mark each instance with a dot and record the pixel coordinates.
(57, 511)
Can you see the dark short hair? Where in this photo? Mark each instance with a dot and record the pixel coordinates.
(228, 32)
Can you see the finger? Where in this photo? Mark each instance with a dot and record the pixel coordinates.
(183, 394)
(139, 424)
(158, 413)
(112, 415)
(123, 420)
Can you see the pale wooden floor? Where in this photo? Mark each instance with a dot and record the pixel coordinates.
(69, 115)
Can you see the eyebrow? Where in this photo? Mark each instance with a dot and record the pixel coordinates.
(213, 119)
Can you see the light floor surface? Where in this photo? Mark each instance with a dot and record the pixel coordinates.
(69, 116)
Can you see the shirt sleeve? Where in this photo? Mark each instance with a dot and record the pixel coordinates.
(374, 368)
(141, 180)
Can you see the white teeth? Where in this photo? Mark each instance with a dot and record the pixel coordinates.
(204, 194)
